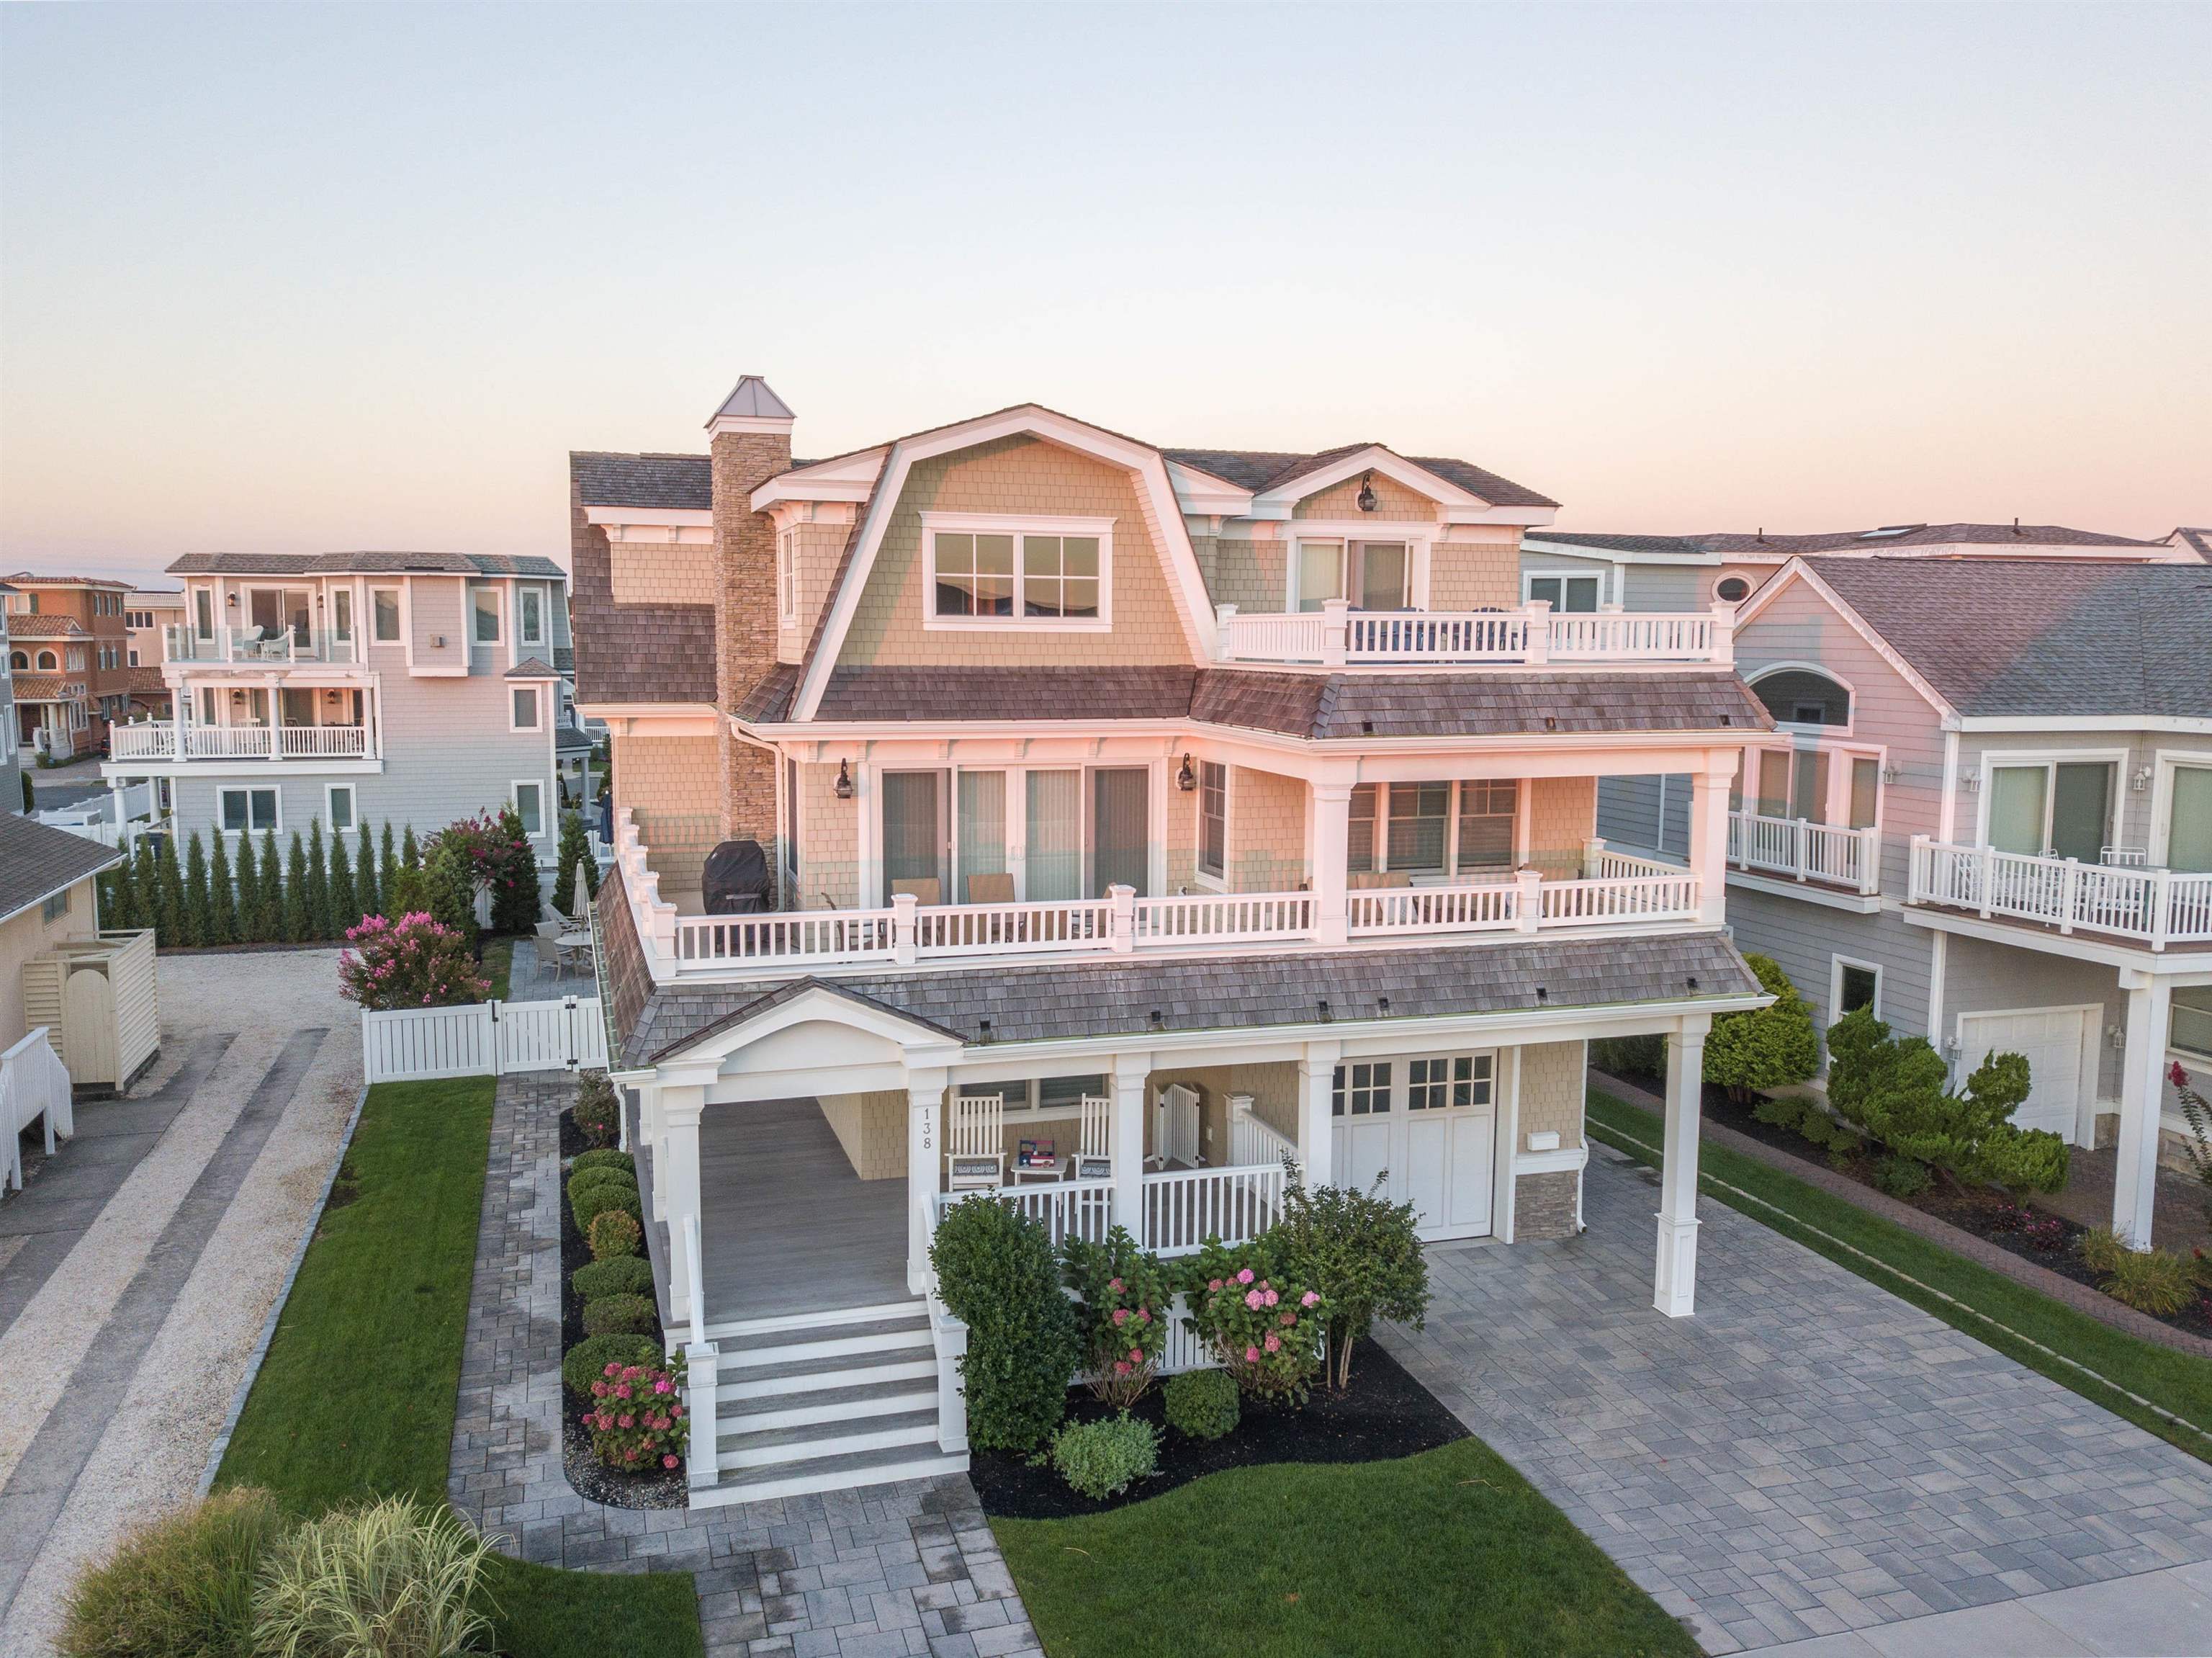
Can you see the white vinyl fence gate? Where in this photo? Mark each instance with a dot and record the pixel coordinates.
(484, 1039)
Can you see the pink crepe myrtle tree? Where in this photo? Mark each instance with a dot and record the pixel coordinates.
(412, 962)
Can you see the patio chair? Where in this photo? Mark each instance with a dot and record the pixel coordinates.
(548, 946)
(976, 1146)
(926, 889)
(1094, 1144)
(995, 888)
(1364, 881)
(2125, 857)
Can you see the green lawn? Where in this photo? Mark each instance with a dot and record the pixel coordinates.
(356, 1396)
(499, 965)
(1447, 1552)
(2175, 1382)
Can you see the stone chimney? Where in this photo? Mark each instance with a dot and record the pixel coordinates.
(751, 434)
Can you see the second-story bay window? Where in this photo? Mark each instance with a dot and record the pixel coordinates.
(1035, 573)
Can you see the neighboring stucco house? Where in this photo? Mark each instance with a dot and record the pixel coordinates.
(11, 759)
(398, 687)
(1133, 818)
(71, 651)
(1988, 814)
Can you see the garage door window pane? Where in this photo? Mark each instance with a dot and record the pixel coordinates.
(1361, 1090)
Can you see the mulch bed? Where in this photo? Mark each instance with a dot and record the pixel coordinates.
(592, 1481)
(2021, 1229)
(1385, 1414)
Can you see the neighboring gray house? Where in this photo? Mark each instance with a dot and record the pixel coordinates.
(11, 759)
(1589, 572)
(1987, 812)
(400, 687)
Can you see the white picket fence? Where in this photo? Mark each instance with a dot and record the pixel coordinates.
(484, 1039)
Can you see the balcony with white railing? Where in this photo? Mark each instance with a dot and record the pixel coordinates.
(1535, 635)
(2157, 906)
(1616, 891)
(1182, 1207)
(1795, 849)
(164, 740)
(259, 647)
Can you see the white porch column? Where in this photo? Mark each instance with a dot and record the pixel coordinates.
(1317, 1083)
(2142, 1089)
(679, 1177)
(1709, 805)
(925, 1158)
(1130, 1072)
(1328, 843)
(1675, 1288)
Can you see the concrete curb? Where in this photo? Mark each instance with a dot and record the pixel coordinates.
(284, 1294)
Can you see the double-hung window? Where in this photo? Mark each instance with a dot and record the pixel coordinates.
(530, 615)
(385, 603)
(524, 716)
(1563, 592)
(1015, 572)
(1213, 818)
(530, 807)
(341, 806)
(485, 602)
(250, 810)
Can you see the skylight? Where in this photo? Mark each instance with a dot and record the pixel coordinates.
(1888, 530)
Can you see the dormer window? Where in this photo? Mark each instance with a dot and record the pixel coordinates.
(1017, 572)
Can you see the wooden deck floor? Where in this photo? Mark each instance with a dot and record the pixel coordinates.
(788, 1226)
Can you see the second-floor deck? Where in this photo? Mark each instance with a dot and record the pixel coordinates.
(1535, 635)
(1616, 890)
(166, 741)
(260, 647)
(2154, 906)
(1797, 849)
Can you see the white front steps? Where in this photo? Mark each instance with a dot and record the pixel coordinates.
(822, 1401)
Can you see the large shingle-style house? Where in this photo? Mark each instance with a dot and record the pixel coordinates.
(1988, 814)
(412, 688)
(1136, 817)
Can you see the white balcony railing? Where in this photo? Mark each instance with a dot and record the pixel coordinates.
(2162, 906)
(156, 740)
(1806, 852)
(1183, 1207)
(181, 644)
(1338, 636)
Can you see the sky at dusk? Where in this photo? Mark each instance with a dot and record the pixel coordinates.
(313, 278)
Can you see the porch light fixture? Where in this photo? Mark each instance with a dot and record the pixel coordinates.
(2141, 781)
(844, 791)
(1890, 774)
(1971, 781)
(1366, 496)
(1186, 778)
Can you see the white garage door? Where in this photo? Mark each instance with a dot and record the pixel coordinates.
(1430, 1124)
(2050, 1039)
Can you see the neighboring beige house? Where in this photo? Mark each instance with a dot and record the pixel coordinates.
(1132, 819)
(47, 897)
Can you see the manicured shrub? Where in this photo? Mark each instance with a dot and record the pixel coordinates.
(598, 1110)
(1203, 1403)
(249, 892)
(2101, 1250)
(2153, 1281)
(1784, 1111)
(2197, 1114)
(1101, 1460)
(636, 1415)
(1630, 1055)
(1264, 1325)
(516, 903)
(591, 1201)
(222, 892)
(1817, 1127)
(997, 1274)
(396, 1578)
(199, 902)
(591, 1358)
(604, 1157)
(620, 1275)
(168, 894)
(1895, 1091)
(345, 907)
(575, 853)
(1769, 1047)
(181, 1587)
(620, 1315)
(119, 905)
(615, 1232)
(590, 1179)
(1358, 1251)
(1901, 1177)
(269, 903)
(367, 899)
(299, 924)
(410, 963)
(319, 884)
(1120, 1311)
(1845, 1150)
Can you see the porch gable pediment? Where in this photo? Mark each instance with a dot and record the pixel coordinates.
(810, 1025)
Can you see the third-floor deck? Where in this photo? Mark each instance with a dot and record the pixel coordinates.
(1337, 636)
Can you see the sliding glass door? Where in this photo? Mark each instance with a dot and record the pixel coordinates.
(1052, 864)
(981, 841)
(2064, 809)
(1121, 820)
(914, 835)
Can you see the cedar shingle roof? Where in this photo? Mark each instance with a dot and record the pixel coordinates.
(1118, 998)
(37, 861)
(1767, 544)
(683, 482)
(380, 563)
(631, 652)
(1262, 471)
(2023, 637)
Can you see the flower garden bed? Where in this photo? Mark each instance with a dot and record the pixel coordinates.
(1384, 1414)
(2019, 1228)
(592, 1479)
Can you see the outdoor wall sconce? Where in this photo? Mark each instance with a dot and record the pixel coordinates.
(1186, 778)
(844, 784)
(1971, 781)
(2141, 781)
(1890, 774)
(1366, 496)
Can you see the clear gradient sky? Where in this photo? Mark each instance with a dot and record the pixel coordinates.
(320, 276)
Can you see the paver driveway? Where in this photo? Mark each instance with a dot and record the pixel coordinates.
(1809, 1455)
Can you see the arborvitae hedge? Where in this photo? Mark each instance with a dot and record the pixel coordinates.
(199, 904)
(223, 907)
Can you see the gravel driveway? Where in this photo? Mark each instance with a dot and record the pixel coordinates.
(139, 1265)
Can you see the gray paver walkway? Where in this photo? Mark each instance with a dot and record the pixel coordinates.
(887, 1569)
(1808, 1455)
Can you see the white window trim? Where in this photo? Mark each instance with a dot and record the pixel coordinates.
(522, 635)
(1992, 759)
(246, 789)
(787, 574)
(398, 610)
(1835, 966)
(1212, 883)
(514, 798)
(1798, 727)
(2166, 762)
(1417, 540)
(1017, 525)
(498, 611)
(330, 817)
(1452, 875)
(1530, 578)
(537, 695)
